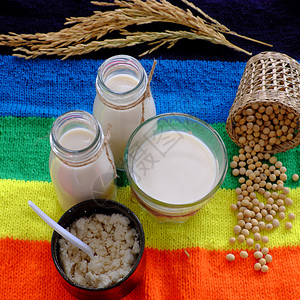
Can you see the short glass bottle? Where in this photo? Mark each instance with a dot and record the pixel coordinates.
(81, 163)
(120, 84)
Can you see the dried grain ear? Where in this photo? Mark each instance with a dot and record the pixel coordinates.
(85, 34)
(269, 87)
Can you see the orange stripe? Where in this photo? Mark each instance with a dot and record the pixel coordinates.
(27, 272)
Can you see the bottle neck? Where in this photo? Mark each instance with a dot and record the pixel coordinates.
(121, 80)
(76, 138)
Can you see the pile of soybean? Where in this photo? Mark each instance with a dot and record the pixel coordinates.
(263, 127)
(260, 128)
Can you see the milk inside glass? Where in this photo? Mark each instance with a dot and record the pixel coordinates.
(90, 181)
(175, 168)
(77, 139)
(122, 86)
(121, 83)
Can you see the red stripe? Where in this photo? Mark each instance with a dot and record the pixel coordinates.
(27, 272)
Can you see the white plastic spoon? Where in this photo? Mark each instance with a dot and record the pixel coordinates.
(62, 231)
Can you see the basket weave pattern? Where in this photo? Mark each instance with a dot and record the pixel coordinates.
(269, 78)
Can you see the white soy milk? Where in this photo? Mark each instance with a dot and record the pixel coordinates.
(121, 83)
(77, 139)
(175, 167)
(75, 184)
(123, 122)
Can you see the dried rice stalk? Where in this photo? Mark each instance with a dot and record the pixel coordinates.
(85, 33)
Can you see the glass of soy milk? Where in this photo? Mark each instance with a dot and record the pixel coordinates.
(123, 100)
(175, 163)
(81, 163)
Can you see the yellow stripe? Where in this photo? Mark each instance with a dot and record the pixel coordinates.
(17, 219)
(210, 228)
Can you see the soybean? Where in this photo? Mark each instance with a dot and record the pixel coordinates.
(264, 268)
(257, 266)
(230, 257)
(243, 254)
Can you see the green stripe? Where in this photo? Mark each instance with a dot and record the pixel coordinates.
(24, 151)
(24, 148)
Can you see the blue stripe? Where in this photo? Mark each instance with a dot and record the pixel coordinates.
(47, 88)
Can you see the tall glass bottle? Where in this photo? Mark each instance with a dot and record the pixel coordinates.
(123, 100)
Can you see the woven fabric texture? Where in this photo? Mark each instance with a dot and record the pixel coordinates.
(186, 260)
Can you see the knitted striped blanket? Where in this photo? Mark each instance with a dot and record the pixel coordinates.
(193, 77)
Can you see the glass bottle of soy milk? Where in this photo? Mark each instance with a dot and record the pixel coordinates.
(123, 99)
(81, 163)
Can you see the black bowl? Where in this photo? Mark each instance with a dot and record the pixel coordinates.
(128, 283)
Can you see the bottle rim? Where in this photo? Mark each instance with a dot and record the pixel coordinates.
(81, 155)
(129, 63)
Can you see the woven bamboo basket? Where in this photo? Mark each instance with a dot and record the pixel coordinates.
(269, 78)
